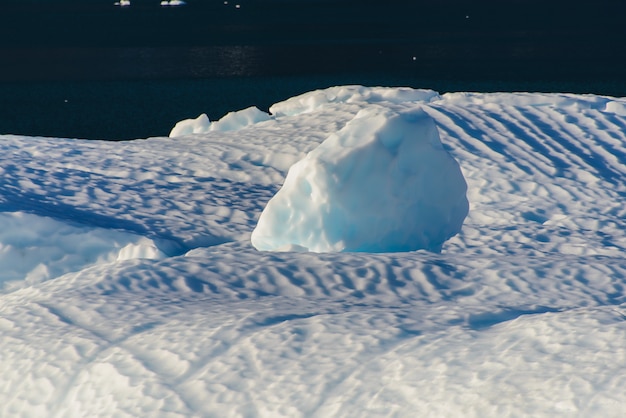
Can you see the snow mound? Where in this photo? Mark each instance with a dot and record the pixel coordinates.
(310, 101)
(232, 121)
(383, 183)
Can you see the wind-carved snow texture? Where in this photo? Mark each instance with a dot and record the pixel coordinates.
(169, 311)
(383, 183)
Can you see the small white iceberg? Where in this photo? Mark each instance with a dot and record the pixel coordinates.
(173, 3)
(122, 3)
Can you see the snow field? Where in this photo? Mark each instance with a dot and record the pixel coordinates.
(522, 313)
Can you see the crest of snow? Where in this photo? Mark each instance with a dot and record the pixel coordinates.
(232, 121)
(560, 100)
(384, 183)
(313, 100)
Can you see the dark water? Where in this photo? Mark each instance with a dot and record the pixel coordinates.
(88, 69)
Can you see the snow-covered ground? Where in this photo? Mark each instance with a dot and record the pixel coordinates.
(130, 287)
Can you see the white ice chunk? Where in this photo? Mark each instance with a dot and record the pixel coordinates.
(144, 248)
(200, 124)
(383, 183)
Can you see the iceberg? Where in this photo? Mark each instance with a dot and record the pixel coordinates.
(173, 3)
(383, 183)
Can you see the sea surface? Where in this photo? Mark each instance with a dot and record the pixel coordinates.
(90, 69)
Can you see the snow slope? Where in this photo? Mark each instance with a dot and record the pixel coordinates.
(130, 286)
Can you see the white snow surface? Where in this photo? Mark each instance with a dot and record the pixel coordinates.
(130, 287)
(383, 183)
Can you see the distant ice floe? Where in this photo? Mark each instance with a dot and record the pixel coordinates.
(163, 3)
(383, 183)
(173, 3)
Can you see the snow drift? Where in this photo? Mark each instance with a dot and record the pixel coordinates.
(383, 183)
